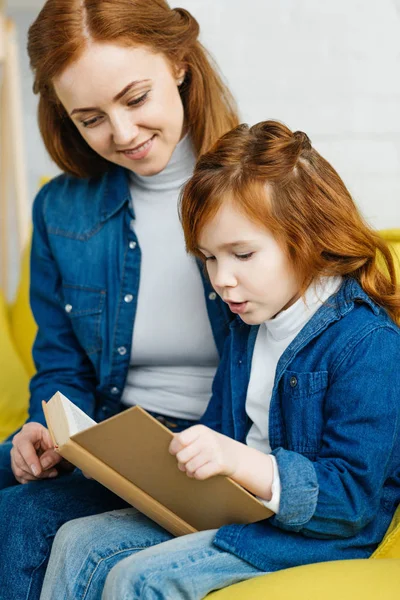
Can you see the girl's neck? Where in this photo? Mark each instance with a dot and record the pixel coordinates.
(296, 316)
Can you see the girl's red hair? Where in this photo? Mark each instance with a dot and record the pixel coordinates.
(278, 180)
(63, 30)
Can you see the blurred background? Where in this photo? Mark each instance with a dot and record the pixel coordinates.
(330, 68)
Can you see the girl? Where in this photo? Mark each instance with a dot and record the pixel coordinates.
(305, 411)
(128, 99)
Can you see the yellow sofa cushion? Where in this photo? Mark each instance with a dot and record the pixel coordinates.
(23, 326)
(14, 381)
(390, 545)
(344, 580)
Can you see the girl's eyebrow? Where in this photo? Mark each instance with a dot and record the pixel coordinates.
(229, 245)
(120, 95)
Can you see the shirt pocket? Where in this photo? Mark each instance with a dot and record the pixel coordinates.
(302, 409)
(84, 307)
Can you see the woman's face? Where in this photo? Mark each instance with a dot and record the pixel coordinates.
(126, 104)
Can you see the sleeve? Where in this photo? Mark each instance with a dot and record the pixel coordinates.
(220, 402)
(339, 493)
(273, 504)
(61, 362)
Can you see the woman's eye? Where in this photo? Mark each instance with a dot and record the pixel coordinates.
(244, 256)
(140, 100)
(91, 122)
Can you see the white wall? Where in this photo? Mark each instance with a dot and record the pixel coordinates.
(331, 68)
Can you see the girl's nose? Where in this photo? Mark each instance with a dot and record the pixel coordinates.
(223, 278)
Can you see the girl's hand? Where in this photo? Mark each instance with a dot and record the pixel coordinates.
(203, 453)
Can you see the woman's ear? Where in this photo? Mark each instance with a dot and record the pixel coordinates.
(180, 75)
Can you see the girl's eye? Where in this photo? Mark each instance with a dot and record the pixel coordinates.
(244, 256)
(138, 101)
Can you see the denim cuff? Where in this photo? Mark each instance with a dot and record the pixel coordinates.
(299, 489)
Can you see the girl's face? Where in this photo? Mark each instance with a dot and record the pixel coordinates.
(247, 267)
(125, 103)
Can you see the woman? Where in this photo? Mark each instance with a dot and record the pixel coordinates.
(128, 99)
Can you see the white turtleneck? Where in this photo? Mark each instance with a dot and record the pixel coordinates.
(273, 337)
(174, 356)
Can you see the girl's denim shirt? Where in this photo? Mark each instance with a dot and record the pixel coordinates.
(85, 272)
(334, 428)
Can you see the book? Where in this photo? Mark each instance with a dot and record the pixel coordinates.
(128, 454)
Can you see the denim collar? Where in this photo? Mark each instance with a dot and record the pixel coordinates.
(116, 192)
(336, 306)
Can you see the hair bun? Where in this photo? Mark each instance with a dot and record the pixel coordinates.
(303, 138)
(192, 28)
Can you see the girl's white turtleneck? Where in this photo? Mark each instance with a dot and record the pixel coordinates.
(273, 337)
(174, 356)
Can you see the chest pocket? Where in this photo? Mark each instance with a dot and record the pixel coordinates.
(302, 397)
(84, 306)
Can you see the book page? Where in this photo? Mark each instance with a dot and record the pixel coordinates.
(77, 419)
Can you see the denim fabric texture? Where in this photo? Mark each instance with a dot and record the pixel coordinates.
(334, 428)
(85, 275)
(86, 551)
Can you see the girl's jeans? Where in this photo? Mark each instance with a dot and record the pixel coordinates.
(124, 555)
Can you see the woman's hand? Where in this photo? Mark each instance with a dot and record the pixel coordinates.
(203, 453)
(33, 456)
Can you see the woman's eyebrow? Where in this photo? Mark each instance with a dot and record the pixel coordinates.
(120, 95)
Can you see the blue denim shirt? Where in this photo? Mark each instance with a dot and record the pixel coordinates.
(85, 271)
(334, 428)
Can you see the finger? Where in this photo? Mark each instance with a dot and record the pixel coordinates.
(175, 445)
(49, 459)
(195, 464)
(207, 470)
(191, 434)
(28, 453)
(19, 466)
(189, 452)
(49, 474)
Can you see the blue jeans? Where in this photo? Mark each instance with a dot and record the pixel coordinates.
(128, 556)
(31, 514)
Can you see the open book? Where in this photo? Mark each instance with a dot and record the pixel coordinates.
(128, 453)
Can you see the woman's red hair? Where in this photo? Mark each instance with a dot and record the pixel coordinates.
(278, 180)
(60, 35)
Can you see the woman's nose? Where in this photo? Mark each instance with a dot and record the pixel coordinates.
(124, 131)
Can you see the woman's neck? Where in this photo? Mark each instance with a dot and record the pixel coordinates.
(178, 170)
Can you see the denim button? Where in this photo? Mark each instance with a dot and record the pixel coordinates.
(114, 390)
(68, 308)
(212, 296)
(293, 381)
(122, 350)
(132, 245)
(128, 298)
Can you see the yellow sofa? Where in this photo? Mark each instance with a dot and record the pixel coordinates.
(377, 577)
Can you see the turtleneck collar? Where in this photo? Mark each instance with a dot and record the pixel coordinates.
(177, 171)
(290, 321)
